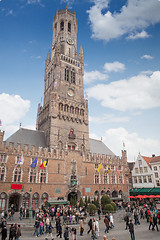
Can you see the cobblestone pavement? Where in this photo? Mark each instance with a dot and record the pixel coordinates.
(118, 232)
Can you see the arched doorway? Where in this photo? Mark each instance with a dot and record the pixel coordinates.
(72, 195)
(15, 201)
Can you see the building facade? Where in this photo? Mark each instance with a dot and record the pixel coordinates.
(155, 165)
(61, 137)
(142, 175)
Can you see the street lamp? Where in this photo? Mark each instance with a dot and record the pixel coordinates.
(30, 206)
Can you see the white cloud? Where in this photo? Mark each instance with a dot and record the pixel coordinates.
(10, 12)
(107, 118)
(33, 1)
(149, 57)
(134, 143)
(114, 67)
(12, 108)
(133, 17)
(94, 76)
(138, 35)
(136, 93)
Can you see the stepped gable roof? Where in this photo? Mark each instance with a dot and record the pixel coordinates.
(27, 136)
(98, 147)
(155, 159)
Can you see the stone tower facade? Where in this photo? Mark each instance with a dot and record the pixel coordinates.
(64, 114)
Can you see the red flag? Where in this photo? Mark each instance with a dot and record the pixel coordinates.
(44, 163)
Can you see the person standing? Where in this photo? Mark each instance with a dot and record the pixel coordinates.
(111, 220)
(18, 232)
(131, 230)
(4, 233)
(66, 233)
(97, 227)
(126, 219)
(11, 232)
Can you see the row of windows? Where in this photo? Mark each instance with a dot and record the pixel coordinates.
(141, 170)
(33, 175)
(62, 26)
(142, 179)
(71, 109)
(106, 180)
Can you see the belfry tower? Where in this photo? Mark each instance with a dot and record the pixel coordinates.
(64, 114)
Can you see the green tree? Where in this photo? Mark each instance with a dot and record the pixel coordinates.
(89, 200)
(105, 200)
(81, 203)
(91, 208)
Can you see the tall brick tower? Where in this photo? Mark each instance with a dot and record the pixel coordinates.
(64, 114)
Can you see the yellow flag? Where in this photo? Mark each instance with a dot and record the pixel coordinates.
(99, 167)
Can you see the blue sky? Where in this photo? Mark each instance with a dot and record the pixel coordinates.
(120, 40)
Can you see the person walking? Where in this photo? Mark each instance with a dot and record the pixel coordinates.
(73, 233)
(90, 225)
(59, 230)
(97, 227)
(150, 222)
(106, 221)
(155, 222)
(131, 230)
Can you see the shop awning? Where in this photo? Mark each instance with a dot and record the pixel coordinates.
(144, 191)
(60, 202)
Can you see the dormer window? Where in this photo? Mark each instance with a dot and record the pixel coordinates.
(62, 26)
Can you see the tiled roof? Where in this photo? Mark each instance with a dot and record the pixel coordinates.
(37, 139)
(147, 159)
(27, 136)
(98, 147)
(155, 159)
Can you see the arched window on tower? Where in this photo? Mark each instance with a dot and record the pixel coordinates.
(66, 74)
(73, 79)
(69, 27)
(62, 26)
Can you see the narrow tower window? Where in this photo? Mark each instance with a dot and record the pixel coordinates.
(69, 27)
(62, 26)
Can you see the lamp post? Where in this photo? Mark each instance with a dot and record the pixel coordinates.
(30, 206)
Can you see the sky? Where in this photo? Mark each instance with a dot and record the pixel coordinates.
(121, 44)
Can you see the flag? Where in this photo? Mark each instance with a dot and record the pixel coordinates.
(34, 163)
(42, 166)
(123, 145)
(99, 167)
(117, 169)
(21, 159)
(55, 84)
(0, 122)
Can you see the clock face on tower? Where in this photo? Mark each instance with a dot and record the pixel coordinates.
(70, 92)
(70, 41)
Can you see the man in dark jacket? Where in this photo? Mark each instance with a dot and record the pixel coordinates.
(66, 233)
(106, 221)
(4, 233)
(90, 225)
(155, 222)
(131, 230)
(126, 219)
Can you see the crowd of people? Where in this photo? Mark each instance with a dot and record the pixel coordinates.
(67, 222)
